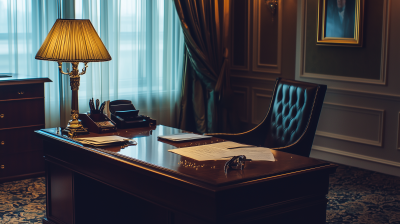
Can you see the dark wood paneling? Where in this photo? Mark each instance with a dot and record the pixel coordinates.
(60, 194)
(268, 31)
(240, 33)
(92, 198)
(289, 29)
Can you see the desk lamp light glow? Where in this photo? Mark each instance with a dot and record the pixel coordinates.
(74, 41)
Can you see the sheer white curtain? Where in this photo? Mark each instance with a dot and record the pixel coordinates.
(24, 25)
(144, 39)
(146, 43)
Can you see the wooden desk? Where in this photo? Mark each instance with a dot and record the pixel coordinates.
(147, 184)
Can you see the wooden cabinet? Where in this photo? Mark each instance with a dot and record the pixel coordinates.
(21, 113)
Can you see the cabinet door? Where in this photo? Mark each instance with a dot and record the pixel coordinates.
(18, 113)
(21, 164)
(20, 140)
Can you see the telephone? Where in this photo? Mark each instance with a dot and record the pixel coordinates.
(125, 115)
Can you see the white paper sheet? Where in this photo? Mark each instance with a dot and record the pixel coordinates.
(184, 137)
(255, 153)
(104, 140)
(225, 150)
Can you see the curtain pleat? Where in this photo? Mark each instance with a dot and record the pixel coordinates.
(207, 97)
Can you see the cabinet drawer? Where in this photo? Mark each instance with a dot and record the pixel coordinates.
(21, 91)
(21, 113)
(19, 140)
(20, 164)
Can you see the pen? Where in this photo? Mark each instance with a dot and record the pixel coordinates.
(250, 146)
(102, 107)
(233, 156)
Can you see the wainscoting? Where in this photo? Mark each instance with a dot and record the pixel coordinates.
(360, 119)
(359, 124)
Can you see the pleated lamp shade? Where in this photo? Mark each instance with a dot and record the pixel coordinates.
(73, 40)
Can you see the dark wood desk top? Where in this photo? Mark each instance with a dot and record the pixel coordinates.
(152, 153)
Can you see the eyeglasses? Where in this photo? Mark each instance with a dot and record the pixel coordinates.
(235, 163)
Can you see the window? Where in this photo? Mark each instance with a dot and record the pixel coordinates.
(143, 37)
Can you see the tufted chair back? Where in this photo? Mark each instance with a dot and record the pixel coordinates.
(291, 120)
(290, 112)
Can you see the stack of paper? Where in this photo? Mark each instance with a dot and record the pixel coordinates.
(225, 150)
(105, 141)
(184, 137)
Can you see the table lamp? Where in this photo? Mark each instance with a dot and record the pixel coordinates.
(74, 41)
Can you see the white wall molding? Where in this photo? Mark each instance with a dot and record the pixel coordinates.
(359, 110)
(348, 138)
(247, 66)
(381, 81)
(301, 52)
(254, 78)
(375, 95)
(356, 160)
(256, 93)
(256, 65)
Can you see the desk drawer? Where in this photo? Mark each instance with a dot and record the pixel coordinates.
(19, 140)
(21, 164)
(21, 91)
(21, 113)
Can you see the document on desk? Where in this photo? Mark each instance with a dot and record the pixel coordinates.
(105, 140)
(184, 137)
(225, 150)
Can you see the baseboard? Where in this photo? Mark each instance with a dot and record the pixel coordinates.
(356, 160)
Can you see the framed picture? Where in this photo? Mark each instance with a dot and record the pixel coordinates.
(340, 22)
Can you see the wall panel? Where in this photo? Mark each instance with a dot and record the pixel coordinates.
(350, 123)
(241, 95)
(261, 99)
(267, 38)
(360, 122)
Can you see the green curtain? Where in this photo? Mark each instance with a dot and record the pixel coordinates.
(207, 96)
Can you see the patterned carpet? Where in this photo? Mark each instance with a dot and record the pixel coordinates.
(23, 201)
(362, 196)
(355, 196)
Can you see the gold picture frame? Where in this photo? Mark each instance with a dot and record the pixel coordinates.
(340, 23)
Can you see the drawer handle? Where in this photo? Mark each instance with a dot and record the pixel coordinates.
(1, 115)
(20, 93)
(2, 167)
(2, 142)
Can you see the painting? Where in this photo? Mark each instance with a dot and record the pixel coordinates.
(340, 22)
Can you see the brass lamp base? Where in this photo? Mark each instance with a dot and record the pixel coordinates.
(75, 128)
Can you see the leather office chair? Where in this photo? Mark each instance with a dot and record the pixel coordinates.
(291, 120)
